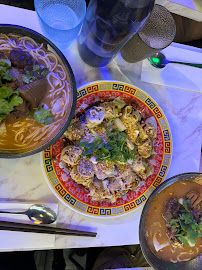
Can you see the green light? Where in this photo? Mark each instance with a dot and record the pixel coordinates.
(155, 60)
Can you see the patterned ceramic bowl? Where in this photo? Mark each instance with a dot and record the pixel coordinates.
(75, 196)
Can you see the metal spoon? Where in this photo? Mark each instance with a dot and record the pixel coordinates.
(37, 213)
(159, 60)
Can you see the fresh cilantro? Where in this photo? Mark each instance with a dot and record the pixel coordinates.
(7, 76)
(36, 67)
(183, 239)
(8, 100)
(5, 91)
(200, 226)
(5, 107)
(110, 123)
(187, 218)
(43, 116)
(28, 77)
(5, 64)
(114, 149)
(15, 100)
(2, 117)
(36, 73)
(186, 203)
(188, 230)
(44, 72)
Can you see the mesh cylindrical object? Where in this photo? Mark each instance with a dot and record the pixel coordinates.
(158, 33)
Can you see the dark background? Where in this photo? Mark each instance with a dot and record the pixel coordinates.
(28, 4)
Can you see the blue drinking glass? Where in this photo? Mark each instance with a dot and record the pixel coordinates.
(61, 20)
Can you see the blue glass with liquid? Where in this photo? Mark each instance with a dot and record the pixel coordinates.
(61, 20)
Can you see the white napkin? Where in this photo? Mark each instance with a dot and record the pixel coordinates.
(176, 75)
(23, 240)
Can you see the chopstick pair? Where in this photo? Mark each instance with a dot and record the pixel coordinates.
(21, 227)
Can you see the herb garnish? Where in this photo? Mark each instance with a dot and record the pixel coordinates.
(8, 100)
(43, 116)
(113, 149)
(188, 230)
(36, 73)
(4, 71)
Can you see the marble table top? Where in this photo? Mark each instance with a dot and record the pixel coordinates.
(191, 9)
(22, 180)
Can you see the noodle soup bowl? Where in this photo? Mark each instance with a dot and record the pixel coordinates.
(155, 261)
(25, 136)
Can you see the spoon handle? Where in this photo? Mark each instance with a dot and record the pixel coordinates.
(15, 213)
(188, 64)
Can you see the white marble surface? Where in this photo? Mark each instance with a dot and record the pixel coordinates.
(191, 9)
(17, 240)
(176, 75)
(21, 180)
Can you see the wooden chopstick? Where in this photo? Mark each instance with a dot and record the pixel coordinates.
(21, 227)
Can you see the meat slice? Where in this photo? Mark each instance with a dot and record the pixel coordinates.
(34, 92)
(21, 59)
(171, 209)
(17, 76)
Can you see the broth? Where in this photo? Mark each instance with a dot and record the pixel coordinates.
(155, 225)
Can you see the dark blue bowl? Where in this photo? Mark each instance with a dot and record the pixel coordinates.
(23, 31)
(152, 259)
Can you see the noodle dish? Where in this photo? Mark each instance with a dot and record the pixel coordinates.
(36, 94)
(171, 223)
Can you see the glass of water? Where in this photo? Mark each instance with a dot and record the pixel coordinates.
(61, 20)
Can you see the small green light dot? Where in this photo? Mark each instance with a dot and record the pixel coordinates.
(155, 60)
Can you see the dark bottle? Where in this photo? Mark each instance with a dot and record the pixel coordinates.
(108, 25)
